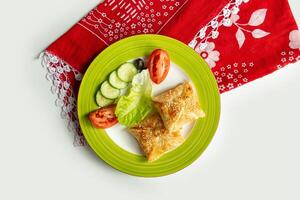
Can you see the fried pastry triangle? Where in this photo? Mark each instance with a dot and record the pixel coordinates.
(154, 138)
(178, 106)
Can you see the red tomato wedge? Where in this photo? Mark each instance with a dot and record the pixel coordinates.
(158, 65)
(104, 117)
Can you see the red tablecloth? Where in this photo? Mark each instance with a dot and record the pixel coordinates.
(241, 40)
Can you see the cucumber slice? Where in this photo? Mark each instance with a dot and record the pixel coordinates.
(115, 81)
(101, 100)
(126, 72)
(109, 91)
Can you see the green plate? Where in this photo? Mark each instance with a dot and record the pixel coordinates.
(193, 66)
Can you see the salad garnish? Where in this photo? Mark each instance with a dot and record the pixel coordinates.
(134, 107)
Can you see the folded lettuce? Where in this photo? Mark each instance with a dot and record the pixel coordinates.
(134, 107)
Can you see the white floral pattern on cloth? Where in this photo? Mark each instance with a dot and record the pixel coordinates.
(131, 17)
(233, 75)
(256, 19)
(294, 38)
(227, 18)
(58, 73)
(211, 30)
(209, 54)
(286, 57)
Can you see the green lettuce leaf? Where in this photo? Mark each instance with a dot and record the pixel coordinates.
(134, 107)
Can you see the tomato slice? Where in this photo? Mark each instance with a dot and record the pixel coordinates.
(104, 117)
(158, 65)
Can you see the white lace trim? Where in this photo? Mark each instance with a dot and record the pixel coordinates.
(59, 73)
(210, 31)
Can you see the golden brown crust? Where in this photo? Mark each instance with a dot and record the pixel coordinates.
(178, 106)
(154, 138)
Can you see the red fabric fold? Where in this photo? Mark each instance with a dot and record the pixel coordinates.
(185, 18)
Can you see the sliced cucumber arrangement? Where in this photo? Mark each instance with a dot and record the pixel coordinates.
(101, 100)
(126, 72)
(109, 91)
(116, 82)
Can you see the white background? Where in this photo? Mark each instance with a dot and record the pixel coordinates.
(254, 155)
